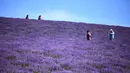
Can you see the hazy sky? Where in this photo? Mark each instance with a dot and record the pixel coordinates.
(113, 12)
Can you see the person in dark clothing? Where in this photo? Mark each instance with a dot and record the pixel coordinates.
(39, 18)
(27, 17)
(88, 35)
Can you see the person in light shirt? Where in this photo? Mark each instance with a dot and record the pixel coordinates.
(111, 34)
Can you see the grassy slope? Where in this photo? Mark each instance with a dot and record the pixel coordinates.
(33, 46)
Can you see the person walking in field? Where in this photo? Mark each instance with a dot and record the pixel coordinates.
(27, 17)
(88, 35)
(111, 34)
(39, 17)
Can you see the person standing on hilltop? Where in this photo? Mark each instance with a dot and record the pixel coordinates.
(111, 34)
(88, 35)
(27, 17)
(39, 17)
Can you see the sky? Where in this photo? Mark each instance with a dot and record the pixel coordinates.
(109, 12)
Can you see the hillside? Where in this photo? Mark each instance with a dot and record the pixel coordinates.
(45, 46)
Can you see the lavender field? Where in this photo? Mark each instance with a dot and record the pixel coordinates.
(45, 46)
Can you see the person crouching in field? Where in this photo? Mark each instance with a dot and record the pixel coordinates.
(88, 35)
(111, 34)
(39, 18)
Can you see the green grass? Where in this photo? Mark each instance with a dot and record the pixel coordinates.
(54, 56)
(35, 72)
(66, 67)
(100, 66)
(24, 65)
(49, 71)
(11, 57)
